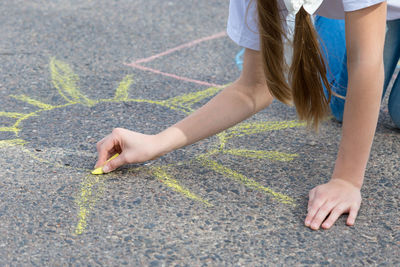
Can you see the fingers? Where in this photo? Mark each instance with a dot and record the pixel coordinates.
(115, 163)
(106, 148)
(313, 208)
(311, 196)
(103, 150)
(352, 215)
(310, 212)
(335, 214)
(314, 222)
(320, 215)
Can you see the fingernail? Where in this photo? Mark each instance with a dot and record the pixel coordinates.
(106, 168)
(307, 222)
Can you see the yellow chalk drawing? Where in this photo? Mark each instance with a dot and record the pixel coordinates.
(12, 142)
(66, 82)
(163, 176)
(32, 102)
(9, 129)
(225, 171)
(272, 155)
(21, 144)
(14, 115)
(185, 102)
(87, 200)
(254, 128)
(121, 94)
(22, 116)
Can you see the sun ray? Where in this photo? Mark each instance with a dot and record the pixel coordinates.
(260, 154)
(12, 142)
(161, 174)
(65, 81)
(229, 173)
(14, 130)
(121, 94)
(254, 128)
(14, 115)
(185, 102)
(87, 200)
(32, 102)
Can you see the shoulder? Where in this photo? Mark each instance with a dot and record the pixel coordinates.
(353, 5)
(336, 9)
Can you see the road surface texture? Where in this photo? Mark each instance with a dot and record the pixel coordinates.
(71, 71)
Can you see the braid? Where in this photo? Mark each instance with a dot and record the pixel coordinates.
(272, 49)
(307, 73)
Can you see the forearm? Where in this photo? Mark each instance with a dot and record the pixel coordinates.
(234, 104)
(359, 121)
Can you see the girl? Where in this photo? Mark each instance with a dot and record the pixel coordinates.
(259, 27)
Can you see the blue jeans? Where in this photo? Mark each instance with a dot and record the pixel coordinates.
(333, 42)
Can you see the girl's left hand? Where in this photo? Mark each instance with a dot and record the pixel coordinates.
(334, 198)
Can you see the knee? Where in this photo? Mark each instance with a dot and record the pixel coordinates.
(394, 111)
(337, 108)
(394, 103)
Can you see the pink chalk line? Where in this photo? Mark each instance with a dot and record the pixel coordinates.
(189, 44)
(173, 75)
(136, 63)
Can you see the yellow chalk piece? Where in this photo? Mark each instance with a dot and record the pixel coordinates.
(99, 170)
(244, 180)
(163, 176)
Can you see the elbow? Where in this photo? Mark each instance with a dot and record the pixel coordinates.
(258, 97)
(366, 76)
(264, 100)
(366, 63)
(372, 68)
(255, 95)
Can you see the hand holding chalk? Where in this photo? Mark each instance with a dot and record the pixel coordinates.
(132, 147)
(99, 170)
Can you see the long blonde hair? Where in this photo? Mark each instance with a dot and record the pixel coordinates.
(307, 73)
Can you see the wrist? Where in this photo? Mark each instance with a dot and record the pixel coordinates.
(349, 170)
(169, 140)
(355, 181)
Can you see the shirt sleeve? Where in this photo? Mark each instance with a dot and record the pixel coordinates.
(242, 24)
(352, 5)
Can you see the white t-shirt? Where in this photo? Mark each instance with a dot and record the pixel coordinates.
(242, 22)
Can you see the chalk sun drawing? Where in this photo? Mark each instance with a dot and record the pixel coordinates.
(65, 82)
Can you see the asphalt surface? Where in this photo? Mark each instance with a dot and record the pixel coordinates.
(67, 79)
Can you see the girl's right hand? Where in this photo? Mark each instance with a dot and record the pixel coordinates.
(132, 147)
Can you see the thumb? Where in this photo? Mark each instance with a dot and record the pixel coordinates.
(115, 163)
